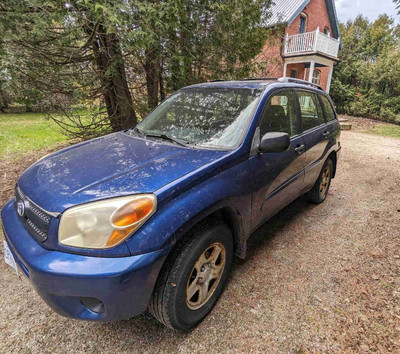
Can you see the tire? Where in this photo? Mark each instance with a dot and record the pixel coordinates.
(169, 303)
(318, 194)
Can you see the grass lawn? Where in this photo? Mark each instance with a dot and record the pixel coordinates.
(391, 131)
(21, 133)
(370, 126)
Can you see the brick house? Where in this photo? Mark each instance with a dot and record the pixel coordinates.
(305, 41)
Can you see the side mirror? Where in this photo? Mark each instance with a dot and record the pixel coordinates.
(274, 142)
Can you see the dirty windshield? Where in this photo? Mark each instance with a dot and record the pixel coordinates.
(208, 117)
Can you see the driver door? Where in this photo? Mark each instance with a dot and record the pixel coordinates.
(278, 178)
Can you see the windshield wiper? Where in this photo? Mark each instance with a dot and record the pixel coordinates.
(138, 131)
(166, 137)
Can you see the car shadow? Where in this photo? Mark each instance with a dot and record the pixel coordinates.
(264, 234)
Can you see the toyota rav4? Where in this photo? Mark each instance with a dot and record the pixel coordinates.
(151, 217)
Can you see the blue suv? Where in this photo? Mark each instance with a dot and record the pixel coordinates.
(151, 217)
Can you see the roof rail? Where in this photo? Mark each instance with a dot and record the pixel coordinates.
(250, 79)
(298, 81)
(281, 79)
(261, 79)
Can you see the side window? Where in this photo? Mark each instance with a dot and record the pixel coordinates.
(309, 109)
(319, 110)
(329, 112)
(279, 114)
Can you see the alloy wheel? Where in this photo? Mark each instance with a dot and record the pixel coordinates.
(325, 180)
(205, 276)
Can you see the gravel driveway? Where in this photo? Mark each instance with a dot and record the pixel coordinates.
(317, 278)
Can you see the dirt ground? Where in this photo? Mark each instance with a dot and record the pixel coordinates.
(317, 278)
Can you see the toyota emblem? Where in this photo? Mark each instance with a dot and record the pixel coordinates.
(21, 208)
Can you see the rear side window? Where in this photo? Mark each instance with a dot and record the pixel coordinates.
(279, 114)
(309, 109)
(328, 110)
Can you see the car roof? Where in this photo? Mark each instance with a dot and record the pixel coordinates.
(258, 84)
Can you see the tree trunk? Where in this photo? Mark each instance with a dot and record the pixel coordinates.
(3, 102)
(185, 46)
(152, 68)
(152, 63)
(161, 81)
(115, 88)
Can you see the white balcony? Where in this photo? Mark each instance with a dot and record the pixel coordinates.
(312, 42)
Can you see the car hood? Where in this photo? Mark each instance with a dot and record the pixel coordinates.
(114, 165)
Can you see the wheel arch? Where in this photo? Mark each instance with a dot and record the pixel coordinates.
(231, 219)
(229, 216)
(333, 157)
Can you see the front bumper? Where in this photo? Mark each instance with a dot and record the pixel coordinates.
(124, 285)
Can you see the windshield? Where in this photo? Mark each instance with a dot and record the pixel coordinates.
(209, 117)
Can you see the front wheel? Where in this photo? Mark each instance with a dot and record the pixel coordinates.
(193, 277)
(321, 187)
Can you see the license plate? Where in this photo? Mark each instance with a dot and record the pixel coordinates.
(9, 258)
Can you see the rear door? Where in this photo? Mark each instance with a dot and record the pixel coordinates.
(278, 178)
(332, 123)
(315, 132)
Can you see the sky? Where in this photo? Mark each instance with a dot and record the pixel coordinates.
(349, 9)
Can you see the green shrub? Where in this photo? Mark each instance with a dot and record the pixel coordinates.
(366, 81)
(388, 116)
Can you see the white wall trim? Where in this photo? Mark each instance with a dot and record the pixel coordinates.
(328, 84)
(310, 58)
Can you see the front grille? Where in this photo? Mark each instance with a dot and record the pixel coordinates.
(34, 219)
(40, 213)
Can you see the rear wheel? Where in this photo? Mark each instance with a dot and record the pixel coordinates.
(321, 187)
(193, 277)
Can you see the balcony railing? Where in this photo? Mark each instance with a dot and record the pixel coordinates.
(312, 42)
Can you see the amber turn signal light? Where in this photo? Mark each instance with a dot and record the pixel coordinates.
(132, 212)
(128, 217)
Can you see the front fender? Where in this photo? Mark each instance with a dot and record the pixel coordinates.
(230, 188)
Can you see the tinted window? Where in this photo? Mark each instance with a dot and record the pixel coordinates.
(329, 112)
(309, 110)
(280, 115)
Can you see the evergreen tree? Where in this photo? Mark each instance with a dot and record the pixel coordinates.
(122, 57)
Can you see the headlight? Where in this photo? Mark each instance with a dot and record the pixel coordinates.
(106, 223)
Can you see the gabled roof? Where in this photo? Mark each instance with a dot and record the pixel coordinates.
(286, 11)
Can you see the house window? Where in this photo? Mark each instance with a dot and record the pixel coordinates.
(293, 73)
(316, 76)
(303, 23)
(327, 31)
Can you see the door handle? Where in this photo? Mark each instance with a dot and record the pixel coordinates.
(300, 149)
(326, 134)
